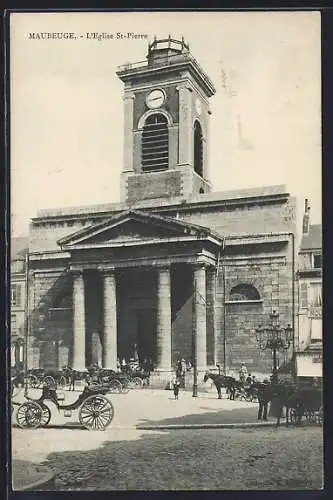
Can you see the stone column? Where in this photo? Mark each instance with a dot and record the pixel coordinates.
(128, 131)
(79, 323)
(109, 354)
(185, 138)
(211, 282)
(164, 319)
(200, 319)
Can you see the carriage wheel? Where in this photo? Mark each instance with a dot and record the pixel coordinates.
(96, 413)
(46, 415)
(136, 382)
(49, 381)
(116, 386)
(62, 381)
(33, 381)
(29, 415)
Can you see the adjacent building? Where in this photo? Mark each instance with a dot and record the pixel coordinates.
(174, 265)
(309, 347)
(19, 250)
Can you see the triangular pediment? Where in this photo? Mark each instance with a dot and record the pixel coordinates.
(131, 227)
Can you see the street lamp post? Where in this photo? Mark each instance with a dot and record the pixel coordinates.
(275, 338)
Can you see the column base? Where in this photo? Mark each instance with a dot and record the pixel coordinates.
(79, 368)
(112, 368)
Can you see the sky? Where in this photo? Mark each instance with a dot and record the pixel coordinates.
(67, 110)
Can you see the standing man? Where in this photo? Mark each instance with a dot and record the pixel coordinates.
(183, 372)
(136, 353)
(242, 373)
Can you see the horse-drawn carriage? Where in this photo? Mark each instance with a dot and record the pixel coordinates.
(305, 402)
(298, 400)
(235, 389)
(95, 411)
(138, 375)
(115, 381)
(54, 379)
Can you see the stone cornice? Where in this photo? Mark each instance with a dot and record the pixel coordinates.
(175, 204)
(189, 63)
(139, 242)
(49, 255)
(198, 259)
(258, 239)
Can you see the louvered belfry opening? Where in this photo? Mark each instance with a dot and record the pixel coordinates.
(198, 149)
(155, 144)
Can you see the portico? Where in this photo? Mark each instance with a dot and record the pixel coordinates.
(158, 301)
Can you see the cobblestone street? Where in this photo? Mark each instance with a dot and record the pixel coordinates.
(132, 409)
(125, 457)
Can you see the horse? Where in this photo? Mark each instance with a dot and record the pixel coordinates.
(73, 375)
(283, 395)
(17, 378)
(222, 381)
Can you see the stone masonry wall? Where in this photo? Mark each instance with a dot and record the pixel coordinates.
(154, 185)
(246, 219)
(47, 333)
(235, 320)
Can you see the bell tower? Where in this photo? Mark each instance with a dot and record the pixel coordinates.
(166, 118)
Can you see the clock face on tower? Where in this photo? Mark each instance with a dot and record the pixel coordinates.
(155, 99)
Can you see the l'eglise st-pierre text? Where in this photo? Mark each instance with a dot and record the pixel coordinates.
(88, 36)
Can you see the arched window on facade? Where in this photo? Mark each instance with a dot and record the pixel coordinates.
(155, 143)
(244, 292)
(198, 149)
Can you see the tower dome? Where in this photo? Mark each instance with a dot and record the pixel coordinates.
(166, 50)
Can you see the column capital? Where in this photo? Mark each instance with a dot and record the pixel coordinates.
(76, 273)
(106, 269)
(163, 267)
(184, 86)
(108, 272)
(200, 265)
(128, 95)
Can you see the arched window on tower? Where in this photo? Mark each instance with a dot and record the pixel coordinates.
(198, 149)
(155, 143)
(244, 292)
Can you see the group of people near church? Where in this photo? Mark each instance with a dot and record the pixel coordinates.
(134, 363)
(246, 378)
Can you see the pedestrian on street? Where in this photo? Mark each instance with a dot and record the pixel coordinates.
(176, 386)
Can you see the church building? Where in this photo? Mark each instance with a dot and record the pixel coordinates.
(173, 268)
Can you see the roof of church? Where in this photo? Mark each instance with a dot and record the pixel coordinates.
(223, 196)
(312, 240)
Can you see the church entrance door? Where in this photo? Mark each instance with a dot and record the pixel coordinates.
(146, 331)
